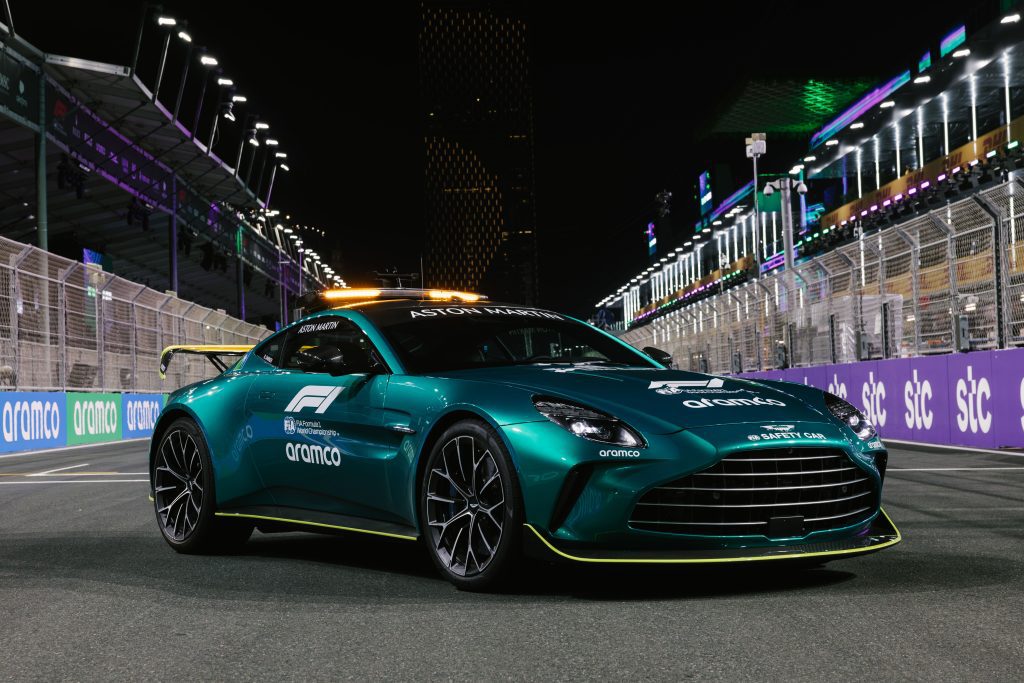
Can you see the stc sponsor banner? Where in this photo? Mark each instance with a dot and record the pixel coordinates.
(971, 405)
(139, 413)
(971, 399)
(93, 418)
(31, 421)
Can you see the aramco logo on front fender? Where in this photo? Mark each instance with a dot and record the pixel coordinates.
(731, 402)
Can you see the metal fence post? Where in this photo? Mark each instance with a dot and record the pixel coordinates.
(16, 296)
(915, 258)
(62, 325)
(954, 295)
(134, 339)
(999, 270)
(18, 300)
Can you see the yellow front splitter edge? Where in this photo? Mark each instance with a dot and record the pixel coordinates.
(884, 540)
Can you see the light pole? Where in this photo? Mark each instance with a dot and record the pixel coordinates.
(756, 146)
(786, 186)
(248, 136)
(221, 109)
(281, 157)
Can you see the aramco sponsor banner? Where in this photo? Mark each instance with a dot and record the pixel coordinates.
(30, 421)
(139, 413)
(970, 399)
(93, 418)
(37, 420)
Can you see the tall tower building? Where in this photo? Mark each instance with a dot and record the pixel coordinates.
(478, 123)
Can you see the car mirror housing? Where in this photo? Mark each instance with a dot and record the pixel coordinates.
(663, 357)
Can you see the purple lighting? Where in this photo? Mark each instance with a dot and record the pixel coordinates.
(952, 41)
(860, 107)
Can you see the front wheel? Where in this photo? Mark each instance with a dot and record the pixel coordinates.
(183, 495)
(470, 509)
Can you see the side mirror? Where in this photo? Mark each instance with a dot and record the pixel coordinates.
(663, 357)
(327, 359)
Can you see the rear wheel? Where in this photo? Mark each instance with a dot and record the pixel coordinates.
(470, 509)
(183, 495)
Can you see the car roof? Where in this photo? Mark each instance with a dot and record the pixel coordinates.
(390, 309)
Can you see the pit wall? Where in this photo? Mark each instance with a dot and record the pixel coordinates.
(968, 399)
(52, 419)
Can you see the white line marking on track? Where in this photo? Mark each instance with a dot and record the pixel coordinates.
(949, 469)
(58, 469)
(70, 448)
(963, 449)
(75, 481)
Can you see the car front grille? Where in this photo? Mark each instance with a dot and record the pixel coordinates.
(776, 492)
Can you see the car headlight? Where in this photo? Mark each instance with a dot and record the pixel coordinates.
(588, 423)
(848, 414)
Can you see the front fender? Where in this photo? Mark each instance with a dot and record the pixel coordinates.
(430, 405)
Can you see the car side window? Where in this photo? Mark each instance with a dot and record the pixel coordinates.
(270, 349)
(334, 333)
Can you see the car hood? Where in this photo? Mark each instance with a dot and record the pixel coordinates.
(661, 401)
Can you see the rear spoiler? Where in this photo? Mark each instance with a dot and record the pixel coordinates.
(214, 353)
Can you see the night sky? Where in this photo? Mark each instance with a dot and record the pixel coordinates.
(623, 102)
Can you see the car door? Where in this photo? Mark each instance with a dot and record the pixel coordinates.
(319, 440)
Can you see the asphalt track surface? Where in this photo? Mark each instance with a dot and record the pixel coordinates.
(89, 591)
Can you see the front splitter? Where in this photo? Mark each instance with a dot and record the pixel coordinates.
(882, 534)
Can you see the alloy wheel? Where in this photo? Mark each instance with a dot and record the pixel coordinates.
(465, 501)
(178, 481)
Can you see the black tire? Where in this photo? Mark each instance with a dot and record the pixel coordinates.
(474, 540)
(184, 498)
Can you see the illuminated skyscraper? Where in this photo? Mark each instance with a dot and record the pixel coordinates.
(478, 123)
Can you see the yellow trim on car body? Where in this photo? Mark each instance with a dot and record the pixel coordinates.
(620, 560)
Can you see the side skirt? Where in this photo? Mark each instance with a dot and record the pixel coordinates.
(320, 522)
(882, 534)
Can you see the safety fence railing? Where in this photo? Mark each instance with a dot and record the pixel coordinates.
(948, 279)
(68, 326)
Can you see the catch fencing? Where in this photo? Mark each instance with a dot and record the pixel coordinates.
(948, 279)
(69, 326)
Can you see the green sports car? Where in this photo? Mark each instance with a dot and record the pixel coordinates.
(488, 430)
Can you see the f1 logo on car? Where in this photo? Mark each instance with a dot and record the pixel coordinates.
(313, 396)
(676, 387)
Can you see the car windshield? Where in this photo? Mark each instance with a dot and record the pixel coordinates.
(435, 342)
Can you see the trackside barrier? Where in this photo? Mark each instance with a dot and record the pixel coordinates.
(67, 326)
(965, 399)
(51, 419)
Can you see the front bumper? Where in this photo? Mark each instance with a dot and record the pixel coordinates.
(882, 533)
(594, 526)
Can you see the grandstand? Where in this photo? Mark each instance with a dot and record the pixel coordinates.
(136, 215)
(164, 185)
(907, 243)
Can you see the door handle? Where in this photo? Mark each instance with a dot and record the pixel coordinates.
(267, 394)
